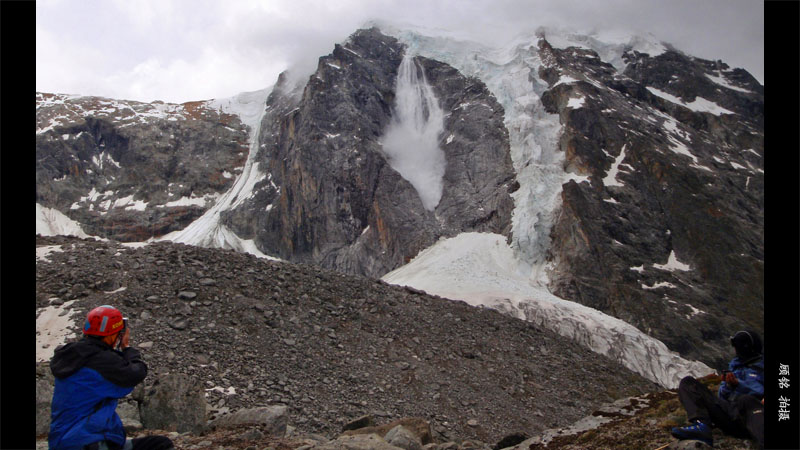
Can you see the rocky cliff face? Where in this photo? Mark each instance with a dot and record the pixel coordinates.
(331, 197)
(667, 233)
(129, 170)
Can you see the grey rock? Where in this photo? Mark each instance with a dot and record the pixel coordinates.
(270, 419)
(44, 395)
(358, 442)
(178, 324)
(402, 437)
(208, 282)
(253, 435)
(175, 403)
(129, 414)
(187, 295)
(361, 422)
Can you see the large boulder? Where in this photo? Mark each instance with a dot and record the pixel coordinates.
(359, 442)
(44, 396)
(128, 412)
(175, 402)
(270, 419)
(417, 426)
(402, 437)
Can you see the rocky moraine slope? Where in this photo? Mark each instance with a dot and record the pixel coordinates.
(330, 346)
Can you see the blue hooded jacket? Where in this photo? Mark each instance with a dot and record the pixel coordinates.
(750, 374)
(90, 377)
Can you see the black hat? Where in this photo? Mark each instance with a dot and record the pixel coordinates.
(747, 344)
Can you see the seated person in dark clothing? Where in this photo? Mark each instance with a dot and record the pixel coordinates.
(738, 408)
(90, 376)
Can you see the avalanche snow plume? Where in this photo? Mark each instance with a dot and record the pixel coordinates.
(482, 270)
(411, 142)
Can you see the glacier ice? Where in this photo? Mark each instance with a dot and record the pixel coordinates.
(483, 270)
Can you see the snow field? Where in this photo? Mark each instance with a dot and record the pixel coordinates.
(51, 222)
(482, 270)
(52, 329)
(698, 105)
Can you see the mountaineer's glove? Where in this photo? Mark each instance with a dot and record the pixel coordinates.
(730, 379)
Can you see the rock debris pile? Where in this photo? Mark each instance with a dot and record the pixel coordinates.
(330, 347)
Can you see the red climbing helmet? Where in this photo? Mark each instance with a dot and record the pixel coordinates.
(103, 321)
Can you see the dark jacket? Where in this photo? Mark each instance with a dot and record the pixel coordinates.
(750, 374)
(90, 377)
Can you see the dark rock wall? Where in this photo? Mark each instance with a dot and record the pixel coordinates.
(334, 199)
(708, 210)
(156, 153)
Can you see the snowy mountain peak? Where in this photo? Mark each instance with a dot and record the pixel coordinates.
(605, 160)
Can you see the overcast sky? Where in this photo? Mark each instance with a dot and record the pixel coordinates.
(182, 50)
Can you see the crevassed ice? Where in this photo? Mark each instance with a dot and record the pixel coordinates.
(516, 282)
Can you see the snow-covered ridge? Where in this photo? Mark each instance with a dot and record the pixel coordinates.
(610, 45)
(482, 270)
(55, 110)
(698, 105)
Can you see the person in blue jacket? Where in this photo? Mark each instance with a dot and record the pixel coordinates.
(737, 409)
(90, 376)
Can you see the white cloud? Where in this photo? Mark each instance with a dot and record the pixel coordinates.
(97, 46)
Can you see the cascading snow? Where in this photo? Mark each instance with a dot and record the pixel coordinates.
(411, 142)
